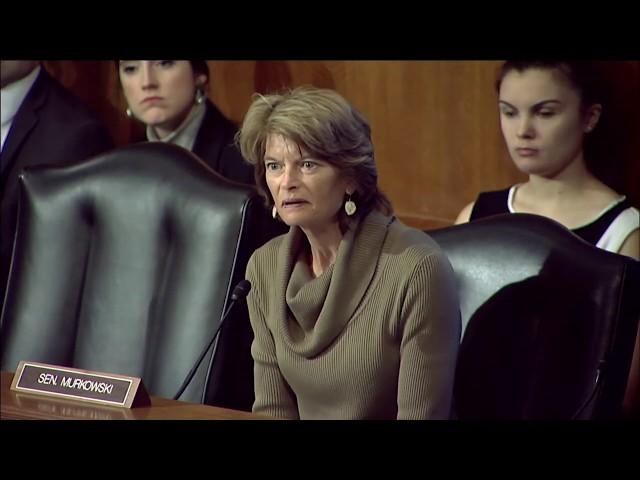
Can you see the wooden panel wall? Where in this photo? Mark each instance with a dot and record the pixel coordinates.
(435, 123)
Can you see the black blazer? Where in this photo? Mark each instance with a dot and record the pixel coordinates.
(51, 126)
(215, 145)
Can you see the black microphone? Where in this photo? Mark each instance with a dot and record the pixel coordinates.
(239, 292)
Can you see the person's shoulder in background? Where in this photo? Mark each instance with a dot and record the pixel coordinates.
(69, 119)
(215, 144)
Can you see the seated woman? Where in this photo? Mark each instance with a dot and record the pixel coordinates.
(168, 96)
(355, 315)
(546, 110)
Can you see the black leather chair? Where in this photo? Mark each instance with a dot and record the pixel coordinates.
(549, 321)
(125, 264)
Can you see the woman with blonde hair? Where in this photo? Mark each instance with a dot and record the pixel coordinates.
(355, 315)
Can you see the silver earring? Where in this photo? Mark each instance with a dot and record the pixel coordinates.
(350, 206)
(200, 96)
(128, 113)
(274, 212)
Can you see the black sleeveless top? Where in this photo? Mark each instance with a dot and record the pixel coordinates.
(497, 202)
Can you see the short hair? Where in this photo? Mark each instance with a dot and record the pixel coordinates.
(328, 127)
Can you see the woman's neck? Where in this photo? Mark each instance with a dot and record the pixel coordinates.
(163, 131)
(574, 197)
(323, 247)
(572, 182)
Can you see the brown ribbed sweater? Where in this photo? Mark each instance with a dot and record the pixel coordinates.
(374, 337)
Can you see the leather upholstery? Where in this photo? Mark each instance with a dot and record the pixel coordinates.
(544, 313)
(125, 264)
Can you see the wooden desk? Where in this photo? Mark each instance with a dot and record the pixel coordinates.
(19, 406)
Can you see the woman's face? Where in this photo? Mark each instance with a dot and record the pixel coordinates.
(160, 93)
(307, 192)
(542, 121)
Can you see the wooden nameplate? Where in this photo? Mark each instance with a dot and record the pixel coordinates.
(81, 385)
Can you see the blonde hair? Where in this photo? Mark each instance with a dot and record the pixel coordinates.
(328, 127)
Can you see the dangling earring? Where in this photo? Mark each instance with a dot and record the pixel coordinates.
(128, 113)
(200, 96)
(274, 212)
(350, 206)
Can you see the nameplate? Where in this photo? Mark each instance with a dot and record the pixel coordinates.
(81, 385)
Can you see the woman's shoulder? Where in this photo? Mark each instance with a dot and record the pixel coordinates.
(267, 252)
(263, 261)
(411, 255)
(411, 242)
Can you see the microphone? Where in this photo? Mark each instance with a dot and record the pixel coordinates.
(240, 291)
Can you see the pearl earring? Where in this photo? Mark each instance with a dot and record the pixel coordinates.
(274, 212)
(128, 113)
(200, 96)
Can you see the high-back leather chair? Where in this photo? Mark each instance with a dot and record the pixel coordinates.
(125, 264)
(549, 321)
